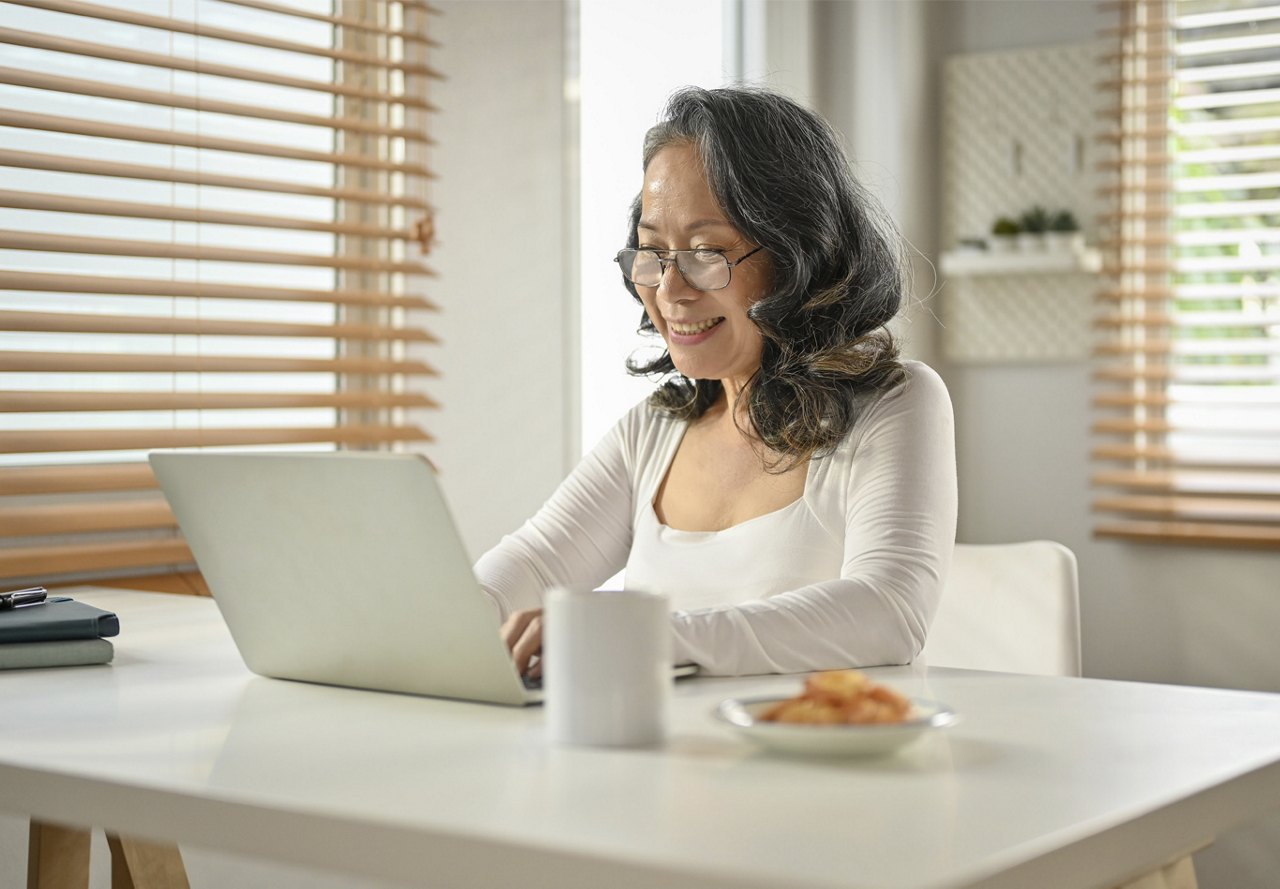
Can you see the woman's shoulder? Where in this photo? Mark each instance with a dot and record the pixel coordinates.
(918, 383)
(641, 442)
(916, 408)
(643, 419)
(920, 393)
(643, 428)
(921, 383)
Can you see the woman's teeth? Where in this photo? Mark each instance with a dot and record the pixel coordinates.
(692, 329)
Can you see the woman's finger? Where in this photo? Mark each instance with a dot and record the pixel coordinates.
(514, 626)
(528, 645)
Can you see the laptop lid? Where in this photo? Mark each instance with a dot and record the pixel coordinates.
(343, 568)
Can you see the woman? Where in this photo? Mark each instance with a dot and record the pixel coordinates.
(791, 484)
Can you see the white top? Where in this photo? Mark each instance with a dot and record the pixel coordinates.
(849, 575)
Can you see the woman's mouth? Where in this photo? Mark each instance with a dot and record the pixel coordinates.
(687, 334)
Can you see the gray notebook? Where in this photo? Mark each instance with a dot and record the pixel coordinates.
(67, 653)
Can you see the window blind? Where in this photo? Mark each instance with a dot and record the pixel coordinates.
(212, 221)
(1188, 358)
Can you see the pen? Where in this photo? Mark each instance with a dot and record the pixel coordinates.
(17, 598)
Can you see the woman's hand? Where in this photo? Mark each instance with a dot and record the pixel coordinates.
(522, 633)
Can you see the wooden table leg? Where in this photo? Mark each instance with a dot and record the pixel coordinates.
(57, 857)
(138, 864)
(1179, 874)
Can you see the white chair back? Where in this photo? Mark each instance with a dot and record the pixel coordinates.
(1012, 607)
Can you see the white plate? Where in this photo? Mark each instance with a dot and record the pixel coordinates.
(833, 740)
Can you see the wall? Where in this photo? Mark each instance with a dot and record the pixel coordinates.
(506, 360)
(873, 83)
(1183, 615)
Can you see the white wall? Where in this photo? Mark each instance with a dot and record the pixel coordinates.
(777, 47)
(873, 81)
(504, 434)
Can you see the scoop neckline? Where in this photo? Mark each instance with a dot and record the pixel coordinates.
(667, 530)
(666, 469)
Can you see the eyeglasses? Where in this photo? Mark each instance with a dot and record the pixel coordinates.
(701, 269)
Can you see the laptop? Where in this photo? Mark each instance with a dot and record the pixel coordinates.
(343, 568)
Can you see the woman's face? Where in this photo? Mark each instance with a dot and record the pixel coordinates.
(707, 333)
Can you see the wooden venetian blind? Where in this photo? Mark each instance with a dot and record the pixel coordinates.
(212, 219)
(1188, 364)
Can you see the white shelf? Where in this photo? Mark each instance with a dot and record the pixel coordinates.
(1086, 261)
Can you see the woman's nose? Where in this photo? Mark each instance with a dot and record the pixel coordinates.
(672, 284)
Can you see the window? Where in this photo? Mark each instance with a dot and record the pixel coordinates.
(207, 238)
(1188, 374)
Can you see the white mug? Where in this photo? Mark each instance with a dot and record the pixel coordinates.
(607, 668)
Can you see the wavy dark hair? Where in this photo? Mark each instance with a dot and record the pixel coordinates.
(779, 174)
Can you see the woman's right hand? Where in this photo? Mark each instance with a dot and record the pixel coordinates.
(522, 633)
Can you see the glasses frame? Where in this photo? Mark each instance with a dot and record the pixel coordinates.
(672, 257)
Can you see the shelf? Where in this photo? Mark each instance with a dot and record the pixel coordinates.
(1086, 261)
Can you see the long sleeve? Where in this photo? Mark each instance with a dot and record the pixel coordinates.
(580, 537)
(899, 515)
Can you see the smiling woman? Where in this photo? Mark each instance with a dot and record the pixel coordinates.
(790, 486)
(837, 267)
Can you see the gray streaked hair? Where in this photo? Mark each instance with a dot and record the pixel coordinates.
(840, 267)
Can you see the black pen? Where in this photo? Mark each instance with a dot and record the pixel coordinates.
(17, 598)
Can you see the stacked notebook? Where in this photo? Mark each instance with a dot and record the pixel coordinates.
(59, 632)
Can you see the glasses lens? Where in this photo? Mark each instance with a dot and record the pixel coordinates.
(640, 267)
(704, 269)
(701, 269)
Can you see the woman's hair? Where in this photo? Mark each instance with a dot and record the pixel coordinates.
(839, 267)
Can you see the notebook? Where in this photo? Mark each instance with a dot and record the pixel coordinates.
(342, 568)
(57, 618)
(57, 653)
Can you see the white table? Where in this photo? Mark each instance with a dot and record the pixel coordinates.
(1047, 782)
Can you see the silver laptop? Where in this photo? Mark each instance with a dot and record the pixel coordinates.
(343, 568)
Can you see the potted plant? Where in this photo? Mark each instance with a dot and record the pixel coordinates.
(1064, 233)
(1004, 235)
(1035, 222)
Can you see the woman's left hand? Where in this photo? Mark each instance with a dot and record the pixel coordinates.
(522, 633)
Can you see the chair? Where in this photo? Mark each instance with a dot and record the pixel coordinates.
(1015, 607)
(1012, 607)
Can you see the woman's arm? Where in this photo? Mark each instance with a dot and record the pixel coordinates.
(580, 537)
(899, 530)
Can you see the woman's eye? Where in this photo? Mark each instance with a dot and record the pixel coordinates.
(707, 254)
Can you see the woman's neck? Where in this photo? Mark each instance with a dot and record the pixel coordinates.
(729, 411)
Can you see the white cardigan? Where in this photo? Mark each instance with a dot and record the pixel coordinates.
(849, 575)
